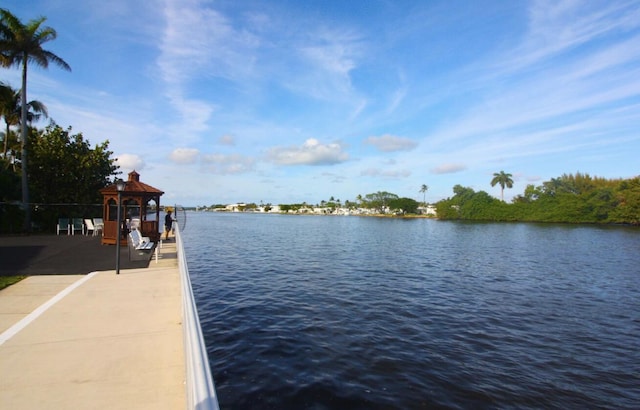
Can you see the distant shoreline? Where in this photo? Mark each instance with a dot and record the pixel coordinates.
(416, 216)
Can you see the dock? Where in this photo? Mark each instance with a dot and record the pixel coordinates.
(100, 341)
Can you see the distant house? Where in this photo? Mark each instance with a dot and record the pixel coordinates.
(428, 210)
(236, 207)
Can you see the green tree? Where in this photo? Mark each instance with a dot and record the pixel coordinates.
(577, 198)
(379, 200)
(11, 107)
(7, 105)
(21, 44)
(504, 180)
(628, 202)
(404, 205)
(424, 189)
(9, 185)
(65, 169)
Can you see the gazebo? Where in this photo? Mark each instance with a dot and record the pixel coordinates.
(140, 209)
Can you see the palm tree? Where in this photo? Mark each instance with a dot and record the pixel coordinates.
(7, 99)
(503, 179)
(21, 44)
(424, 188)
(11, 107)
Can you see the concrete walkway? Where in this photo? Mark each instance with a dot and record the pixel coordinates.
(99, 341)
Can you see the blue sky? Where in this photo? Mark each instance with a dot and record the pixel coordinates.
(292, 101)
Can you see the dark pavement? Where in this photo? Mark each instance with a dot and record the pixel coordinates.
(60, 255)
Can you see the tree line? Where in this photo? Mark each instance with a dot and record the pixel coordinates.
(381, 202)
(571, 198)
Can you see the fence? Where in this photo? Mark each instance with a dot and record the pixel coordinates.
(44, 217)
(201, 392)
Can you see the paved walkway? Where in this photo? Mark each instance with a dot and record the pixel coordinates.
(99, 341)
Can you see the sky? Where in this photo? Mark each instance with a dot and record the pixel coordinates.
(218, 102)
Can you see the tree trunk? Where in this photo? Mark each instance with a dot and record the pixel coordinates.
(6, 140)
(25, 186)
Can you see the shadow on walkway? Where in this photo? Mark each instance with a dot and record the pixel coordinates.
(60, 255)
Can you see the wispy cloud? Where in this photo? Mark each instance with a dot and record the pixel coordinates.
(448, 168)
(227, 140)
(227, 164)
(184, 155)
(200, 41)
(312, 152)
(334, 178)
(544, 89)
(396, 99)
(557, 27)
(391, 143)
(391, 174)
(191, 117)
(318, 61)
(259, 88)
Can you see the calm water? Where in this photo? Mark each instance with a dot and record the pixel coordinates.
(312, 312)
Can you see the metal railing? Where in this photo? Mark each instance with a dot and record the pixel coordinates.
(201, 393)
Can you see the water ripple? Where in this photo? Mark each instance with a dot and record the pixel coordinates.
(360, 313)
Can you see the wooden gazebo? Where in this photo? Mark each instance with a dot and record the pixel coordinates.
(140, 208)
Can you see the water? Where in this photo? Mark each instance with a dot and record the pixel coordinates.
(317, 312)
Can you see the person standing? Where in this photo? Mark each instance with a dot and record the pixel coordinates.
(168, 224)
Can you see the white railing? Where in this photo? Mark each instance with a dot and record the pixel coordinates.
(201, 393)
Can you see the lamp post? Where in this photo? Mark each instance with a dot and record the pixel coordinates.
(120, 185)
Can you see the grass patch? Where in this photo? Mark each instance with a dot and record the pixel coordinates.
(6, 281)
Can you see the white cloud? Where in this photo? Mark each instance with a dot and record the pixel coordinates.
(391, 143)
(184, 155)
(312, 152)
(130, 162)
(448, 168)
(228, 164)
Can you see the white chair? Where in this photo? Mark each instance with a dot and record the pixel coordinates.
(89, 226)
(98, 223)
(134, 224)
(140, 247)
(138, 241)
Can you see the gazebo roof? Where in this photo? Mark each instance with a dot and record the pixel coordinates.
(133, 186)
